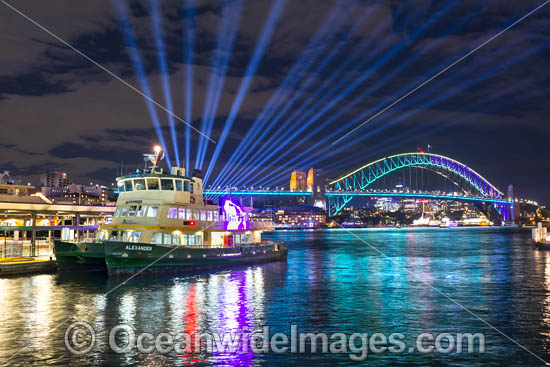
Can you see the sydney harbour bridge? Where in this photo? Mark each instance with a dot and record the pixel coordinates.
(462, 184)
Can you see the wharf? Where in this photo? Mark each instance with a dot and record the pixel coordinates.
(26, 265)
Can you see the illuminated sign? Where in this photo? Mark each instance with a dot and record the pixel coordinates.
(235, 217)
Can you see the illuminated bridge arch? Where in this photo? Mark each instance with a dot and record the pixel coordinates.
(342, 190)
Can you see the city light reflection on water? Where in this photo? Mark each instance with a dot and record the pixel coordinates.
(332, 282)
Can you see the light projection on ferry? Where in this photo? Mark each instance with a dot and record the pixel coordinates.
(235, 217)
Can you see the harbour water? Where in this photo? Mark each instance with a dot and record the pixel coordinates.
(407, 281)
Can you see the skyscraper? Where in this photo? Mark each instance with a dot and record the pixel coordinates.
(55, 179)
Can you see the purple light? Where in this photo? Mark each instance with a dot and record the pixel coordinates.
(235, 217)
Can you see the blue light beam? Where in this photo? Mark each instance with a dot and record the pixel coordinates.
(440, 97)
(224, 46)
(279, 144)
(158, 35)
(310, 54)
(403, 116)
(188, 57)
(427, 81)
(274, 16)
(132, 44)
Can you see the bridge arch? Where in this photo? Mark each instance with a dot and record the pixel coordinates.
(363, 177)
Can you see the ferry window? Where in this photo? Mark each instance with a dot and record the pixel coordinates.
(178, 185)
(237, 238)
(114, 236)
(124, 212)
(191, 188)
(133, 236)
(156, 238)
(102, 235)
(181, 213)
(184, 240)
(189, 215)
(196, 215)
(176, 238)
(246, 238)
(152, 184)
(141, 211)
(132, 211)
(186, 186)
(215, 214)
(167, 239)
(128, 185)
(203, 215)
(191, 240)
(117, 213)
(209, 216)
(198, 240)
(172, 213)
(152, 212)
(120, 186)
(167, 184)
(139, 184)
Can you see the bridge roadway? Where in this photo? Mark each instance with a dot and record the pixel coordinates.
(256, 193)
(425, 195)
(419, 195)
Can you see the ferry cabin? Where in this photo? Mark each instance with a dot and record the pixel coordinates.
(168, 209)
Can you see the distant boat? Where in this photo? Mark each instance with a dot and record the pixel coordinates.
(425, 222)
(447, 223)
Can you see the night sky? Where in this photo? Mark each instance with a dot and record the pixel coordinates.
(335, 63)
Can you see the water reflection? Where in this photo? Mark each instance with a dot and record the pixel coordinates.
(332, 283)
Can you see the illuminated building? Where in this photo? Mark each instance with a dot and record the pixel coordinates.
(78, 194)
(386, 205)
(409, 205)
(55, 179)
(298, 181)
(300, 217)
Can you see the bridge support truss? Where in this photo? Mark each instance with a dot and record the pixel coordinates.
(345, 188)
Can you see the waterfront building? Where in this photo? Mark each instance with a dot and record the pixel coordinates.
(78, 195)
(261, 215)
(386, 205)
(409, 205)
(29, 221)
(300, 217)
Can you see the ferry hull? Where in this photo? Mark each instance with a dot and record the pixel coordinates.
(124, 259)
(79, 257)
(541, 245)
